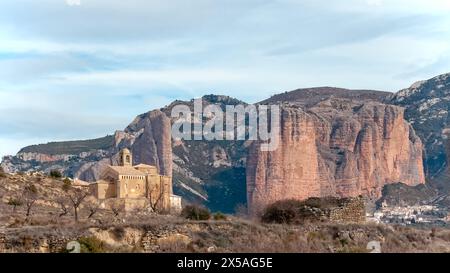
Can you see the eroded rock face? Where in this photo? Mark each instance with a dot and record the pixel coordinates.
(347, 142)
(337, 147)
(149, 139)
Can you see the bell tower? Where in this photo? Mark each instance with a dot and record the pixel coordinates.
(125, 158)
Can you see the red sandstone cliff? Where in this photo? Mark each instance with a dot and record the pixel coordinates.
(336, 147)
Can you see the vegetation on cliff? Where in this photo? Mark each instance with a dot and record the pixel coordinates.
(70, 147)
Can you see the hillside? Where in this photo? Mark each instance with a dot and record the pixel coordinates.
(311, 96)
(70, 147)
(47, 230)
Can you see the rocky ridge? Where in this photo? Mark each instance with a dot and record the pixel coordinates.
(335, 147)
(203, 171)
(427, 106)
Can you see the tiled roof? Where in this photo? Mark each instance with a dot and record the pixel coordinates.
(144, 166)
(126, 170)
(102, 182)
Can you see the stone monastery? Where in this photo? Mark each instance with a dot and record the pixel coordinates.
(136, 186)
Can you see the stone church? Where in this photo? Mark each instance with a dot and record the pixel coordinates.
(136, 186)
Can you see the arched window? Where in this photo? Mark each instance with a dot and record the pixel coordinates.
(127, 158)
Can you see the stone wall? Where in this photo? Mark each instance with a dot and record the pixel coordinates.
(31, 243)
(315, 210)
(352, 210)
(103, 189)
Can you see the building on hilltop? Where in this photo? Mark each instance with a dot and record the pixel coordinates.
(136, 186)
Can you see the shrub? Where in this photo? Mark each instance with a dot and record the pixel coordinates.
(218, 216)
(30, 188)
(118, 232)
(67, 184)
(282, 212)
(91, 245)
(193, 212)
(297, 212)
(55, 174)
(15, 202)
(2, 173)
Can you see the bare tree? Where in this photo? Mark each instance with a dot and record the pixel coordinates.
(62, 202)
(155, 196)
(30, 196)
(116, 210)
(93, 206)
(76, 197)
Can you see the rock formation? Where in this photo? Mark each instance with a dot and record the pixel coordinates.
(149, 139)
(335, 147)
(335, 142)
(427, 105)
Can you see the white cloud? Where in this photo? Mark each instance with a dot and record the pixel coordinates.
(73, 2)
(374, 2)
(141, 54)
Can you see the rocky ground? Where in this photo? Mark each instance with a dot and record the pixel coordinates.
(172, 234)
(45, 230)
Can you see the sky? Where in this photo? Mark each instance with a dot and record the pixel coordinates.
(80, 69)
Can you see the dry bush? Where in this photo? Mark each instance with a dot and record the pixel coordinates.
(174, 245)
(282, 212)
(15, 202)
(218, 216)
(193, 212)
(67, 185)
(2, 173)
(118, 232)
(91, 245)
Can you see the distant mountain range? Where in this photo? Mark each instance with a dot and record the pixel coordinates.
(215, 173)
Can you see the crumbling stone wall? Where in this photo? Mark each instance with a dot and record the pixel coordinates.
(352, 210)
(315, 209)
(155, 237)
